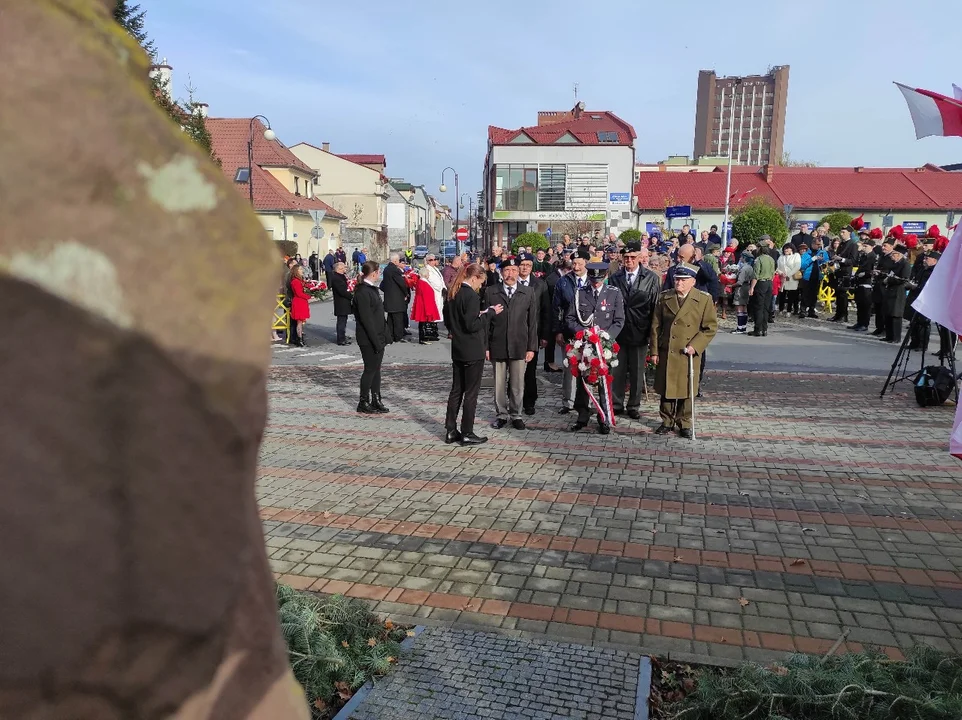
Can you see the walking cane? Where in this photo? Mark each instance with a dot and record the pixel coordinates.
(691, 391)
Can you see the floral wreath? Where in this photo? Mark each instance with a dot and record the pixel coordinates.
(591, 356)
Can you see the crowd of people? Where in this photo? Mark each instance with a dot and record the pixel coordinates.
(525, 310)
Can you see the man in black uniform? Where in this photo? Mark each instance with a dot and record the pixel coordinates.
(862, 282)
(919, 326)
(893, 293)
(527, 278)
(844, 261)
(596, 304)
(883, 264)
(640, 289)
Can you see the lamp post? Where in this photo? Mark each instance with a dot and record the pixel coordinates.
(269, 135)
(728, 182)
(444, 188)
(470, 215)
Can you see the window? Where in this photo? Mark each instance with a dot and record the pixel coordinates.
(297, 185)
(243, 175)
(516, 188)
(551, 193)
(607, 137)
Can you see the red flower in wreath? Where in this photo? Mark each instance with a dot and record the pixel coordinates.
(574, 369)
(580, 335)
(593, 338)
(568, 349)
(323, 286)
(595, 362)
(615, 347)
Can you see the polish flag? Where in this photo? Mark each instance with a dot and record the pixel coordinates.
(941, 302)
(933, 114)
(957, 91)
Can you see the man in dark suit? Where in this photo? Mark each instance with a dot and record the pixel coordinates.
(526, 278)
(342, 301)
(640, 288)
(602, 306)
(564, 296)
(512, 342)
(802, 236)
(397, 295)
(551, 279)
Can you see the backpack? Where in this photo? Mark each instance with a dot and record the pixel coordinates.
(933, 386)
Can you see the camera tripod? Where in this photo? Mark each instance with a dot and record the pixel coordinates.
(900, 366)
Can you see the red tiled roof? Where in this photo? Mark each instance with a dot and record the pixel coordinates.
(585, 128)
(229, 141)
(365, 159)
(819, 188)
(230, 136)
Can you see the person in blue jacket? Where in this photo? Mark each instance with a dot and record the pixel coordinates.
(813, 260)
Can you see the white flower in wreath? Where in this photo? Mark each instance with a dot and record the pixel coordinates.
(578, 344)
(604, 335)
(614, 363)
(588, 351)
(582, 367)
(566, 362)
(607, 354)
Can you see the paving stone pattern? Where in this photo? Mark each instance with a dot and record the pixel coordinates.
(806, 508)
(460, 674)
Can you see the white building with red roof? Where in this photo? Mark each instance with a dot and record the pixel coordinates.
(912, 197)
(572, 172)
(283, 185)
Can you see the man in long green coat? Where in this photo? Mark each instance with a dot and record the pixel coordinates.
(683, 324)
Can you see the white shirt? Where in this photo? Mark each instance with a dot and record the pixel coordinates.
(581, 280)
(510, 289)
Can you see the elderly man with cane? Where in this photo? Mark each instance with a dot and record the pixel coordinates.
(683, 324)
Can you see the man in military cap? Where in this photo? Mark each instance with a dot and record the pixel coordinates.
(640, 289)
(595, 304)
(683, 324)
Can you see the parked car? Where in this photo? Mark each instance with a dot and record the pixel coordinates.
(420, 252)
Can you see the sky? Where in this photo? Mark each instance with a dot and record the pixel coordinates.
(420, 82)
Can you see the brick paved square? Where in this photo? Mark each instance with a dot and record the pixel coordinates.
(807, 506)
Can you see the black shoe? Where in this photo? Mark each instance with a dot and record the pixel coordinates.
(663, 429)
(472, 439)
(604, 428)
(564, 411)
(377, 404)
(755, 333)
(686, 433)
(860, 328)
(452, 436)
(499, 423)
(619, 412)
(876, 333)
(529, 411)
(408, 332)
(856, 326)
(343, 342)
(764, 333)
(518, 424)
(634, 414)
(580, 425)
(301, 342)
(365, 408)
(699, 394)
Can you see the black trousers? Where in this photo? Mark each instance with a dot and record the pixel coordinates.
(841, 301)
(863, 306)
(893, 330)
(920, 328)
(341, 328)
(371, 377)
(395, 321)
(530, 396)
(947, 341)
(763, 304)
(465, 385)
(881, 318)
(809, 292)
(584, 406)
(788, 300)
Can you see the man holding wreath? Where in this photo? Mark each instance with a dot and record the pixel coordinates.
(683, 324)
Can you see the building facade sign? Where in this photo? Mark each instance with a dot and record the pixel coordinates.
(547, 216)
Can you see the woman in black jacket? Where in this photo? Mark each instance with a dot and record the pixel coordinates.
(466, 323)
(343, 299)
(371, 337)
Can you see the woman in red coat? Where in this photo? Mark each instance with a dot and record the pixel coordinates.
(424, 311)
(300, 309)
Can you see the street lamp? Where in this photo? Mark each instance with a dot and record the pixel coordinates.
(728, 183)
(270, 136)
(470, 212)
(444, 189)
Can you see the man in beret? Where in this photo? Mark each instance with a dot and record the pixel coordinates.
(562, 300)
(883, 265)
(640, 288)
(683, 325)
(512, 342)
(527, 279)
(862, 283)
(602, 306)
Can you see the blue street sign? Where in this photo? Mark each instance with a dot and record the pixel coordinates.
(619, 198)
(678, 211)
(914, 226)
(547, 233)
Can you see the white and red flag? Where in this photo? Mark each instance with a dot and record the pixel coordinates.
(933, 114)
(957, 91)
(941, 302)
